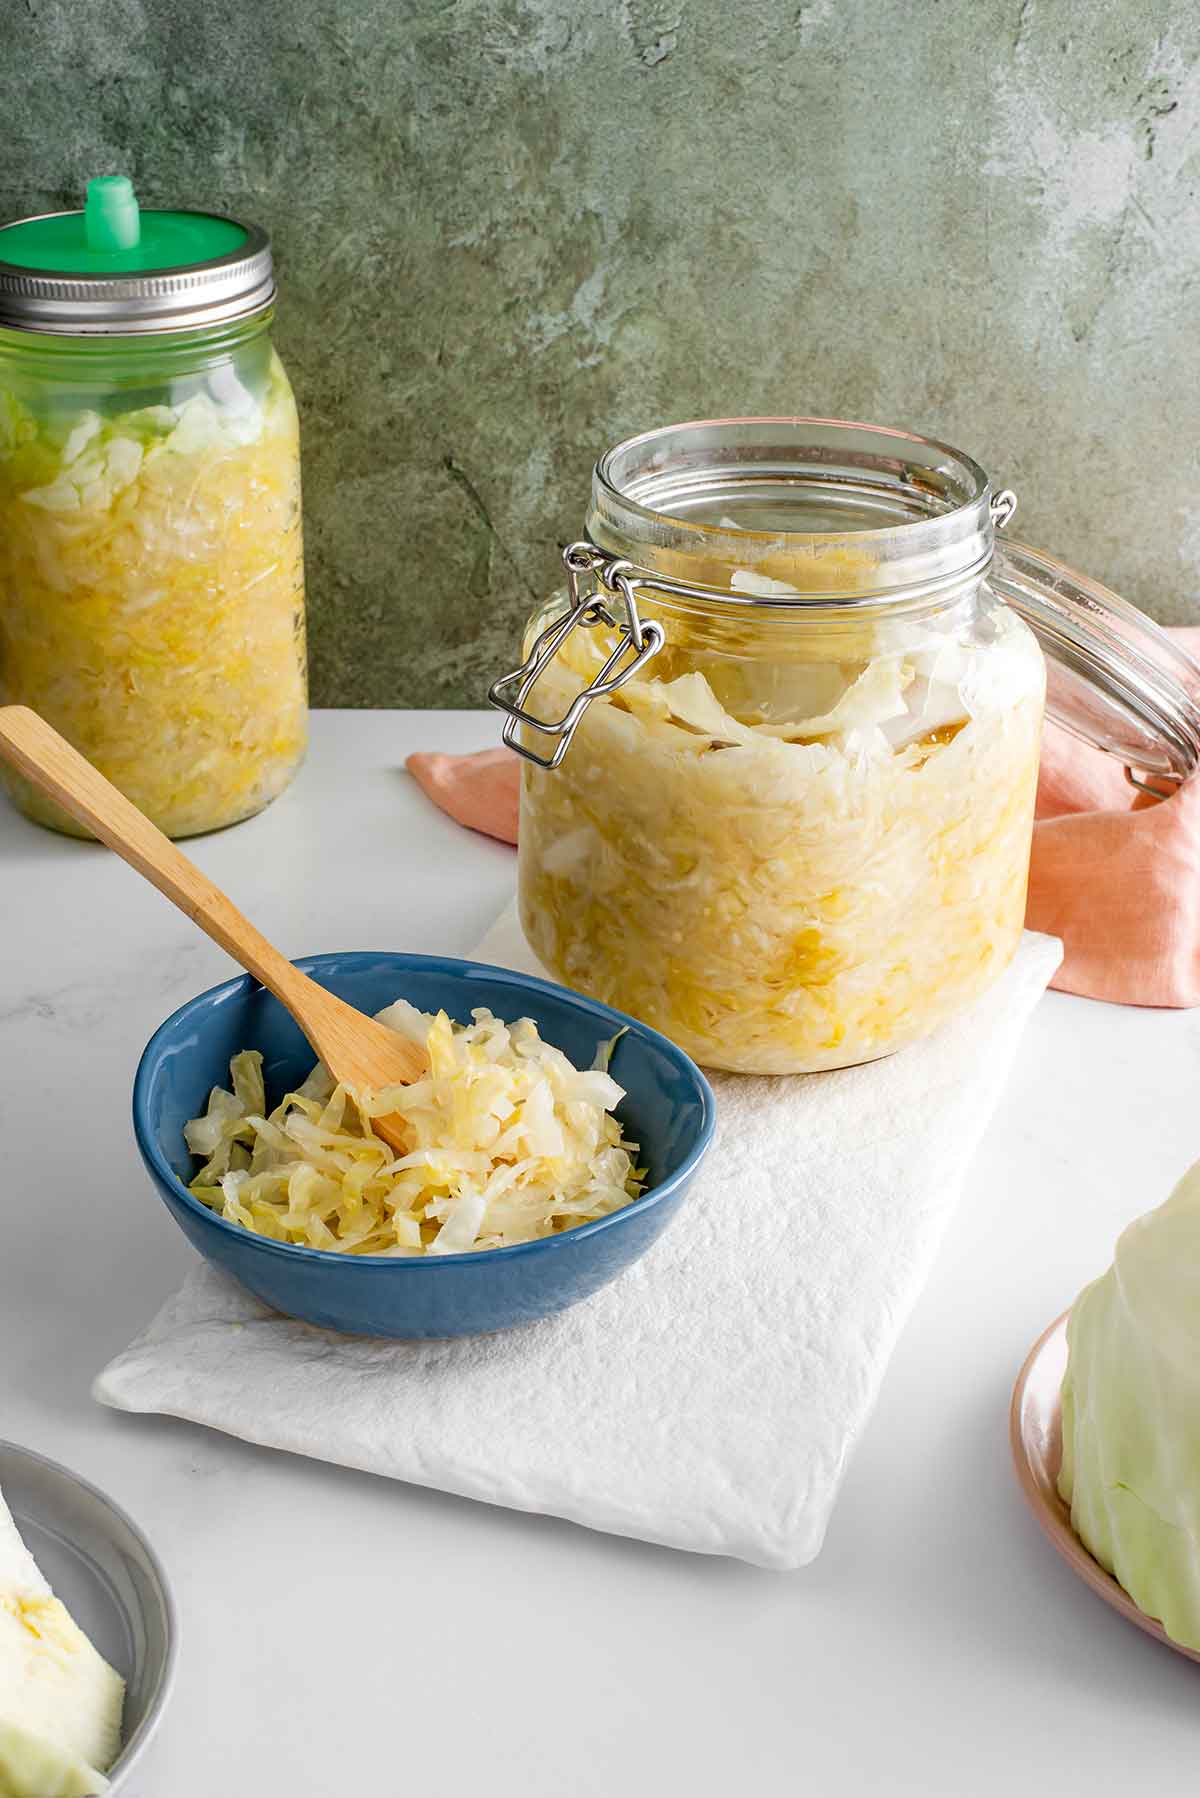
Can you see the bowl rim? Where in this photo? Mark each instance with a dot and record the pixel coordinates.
(133, 1747)
(165, 1174)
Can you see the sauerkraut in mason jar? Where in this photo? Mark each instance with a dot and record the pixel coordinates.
(782, 737)
(151, 573)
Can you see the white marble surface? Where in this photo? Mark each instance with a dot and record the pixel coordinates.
(344, 1634)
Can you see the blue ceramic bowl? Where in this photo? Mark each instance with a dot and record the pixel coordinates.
(668, 1111)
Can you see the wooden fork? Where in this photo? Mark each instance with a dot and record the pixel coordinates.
(358, 1052)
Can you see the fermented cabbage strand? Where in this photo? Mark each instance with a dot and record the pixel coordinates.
(789, 862)
(510, 1142)
(151, 595)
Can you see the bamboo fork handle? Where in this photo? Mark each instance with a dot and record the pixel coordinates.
(37, 751)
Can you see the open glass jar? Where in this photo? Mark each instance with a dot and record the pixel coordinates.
(151, 572)
(782, 755)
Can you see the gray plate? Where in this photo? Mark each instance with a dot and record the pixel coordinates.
(109, 1578)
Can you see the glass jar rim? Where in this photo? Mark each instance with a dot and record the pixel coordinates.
(886, 514)
(645, 442)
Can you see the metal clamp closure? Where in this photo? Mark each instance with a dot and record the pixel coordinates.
(1175, 780)
(613, 579)
(1002, 507)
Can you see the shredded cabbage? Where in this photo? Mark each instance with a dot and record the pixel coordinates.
(152, 597)
(509, 1142)
(33, 1767)
(60, 1701)
(794, 855)
(1130, 1405)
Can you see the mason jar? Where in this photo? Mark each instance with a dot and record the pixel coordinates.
(151, 570)
(781, 736)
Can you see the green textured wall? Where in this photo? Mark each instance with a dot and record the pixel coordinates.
(511, 231)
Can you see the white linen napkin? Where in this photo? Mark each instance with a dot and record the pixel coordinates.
(708, 1399)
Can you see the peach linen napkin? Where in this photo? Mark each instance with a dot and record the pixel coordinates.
(1114, 874)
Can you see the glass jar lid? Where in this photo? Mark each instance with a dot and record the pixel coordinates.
(1114, 678)
(713, 512)
(114, 269)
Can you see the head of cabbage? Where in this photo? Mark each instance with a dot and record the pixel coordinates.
(1131, 1414)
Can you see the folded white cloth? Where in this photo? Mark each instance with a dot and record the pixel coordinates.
(709, 1398)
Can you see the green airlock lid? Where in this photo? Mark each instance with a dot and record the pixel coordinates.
(114, 269)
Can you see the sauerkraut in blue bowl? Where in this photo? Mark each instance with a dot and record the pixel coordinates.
(536, 1174)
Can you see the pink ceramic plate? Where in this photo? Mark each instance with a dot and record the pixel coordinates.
(1035, 1430)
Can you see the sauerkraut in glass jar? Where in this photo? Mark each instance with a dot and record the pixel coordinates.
(781, 740)
(151, 572)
